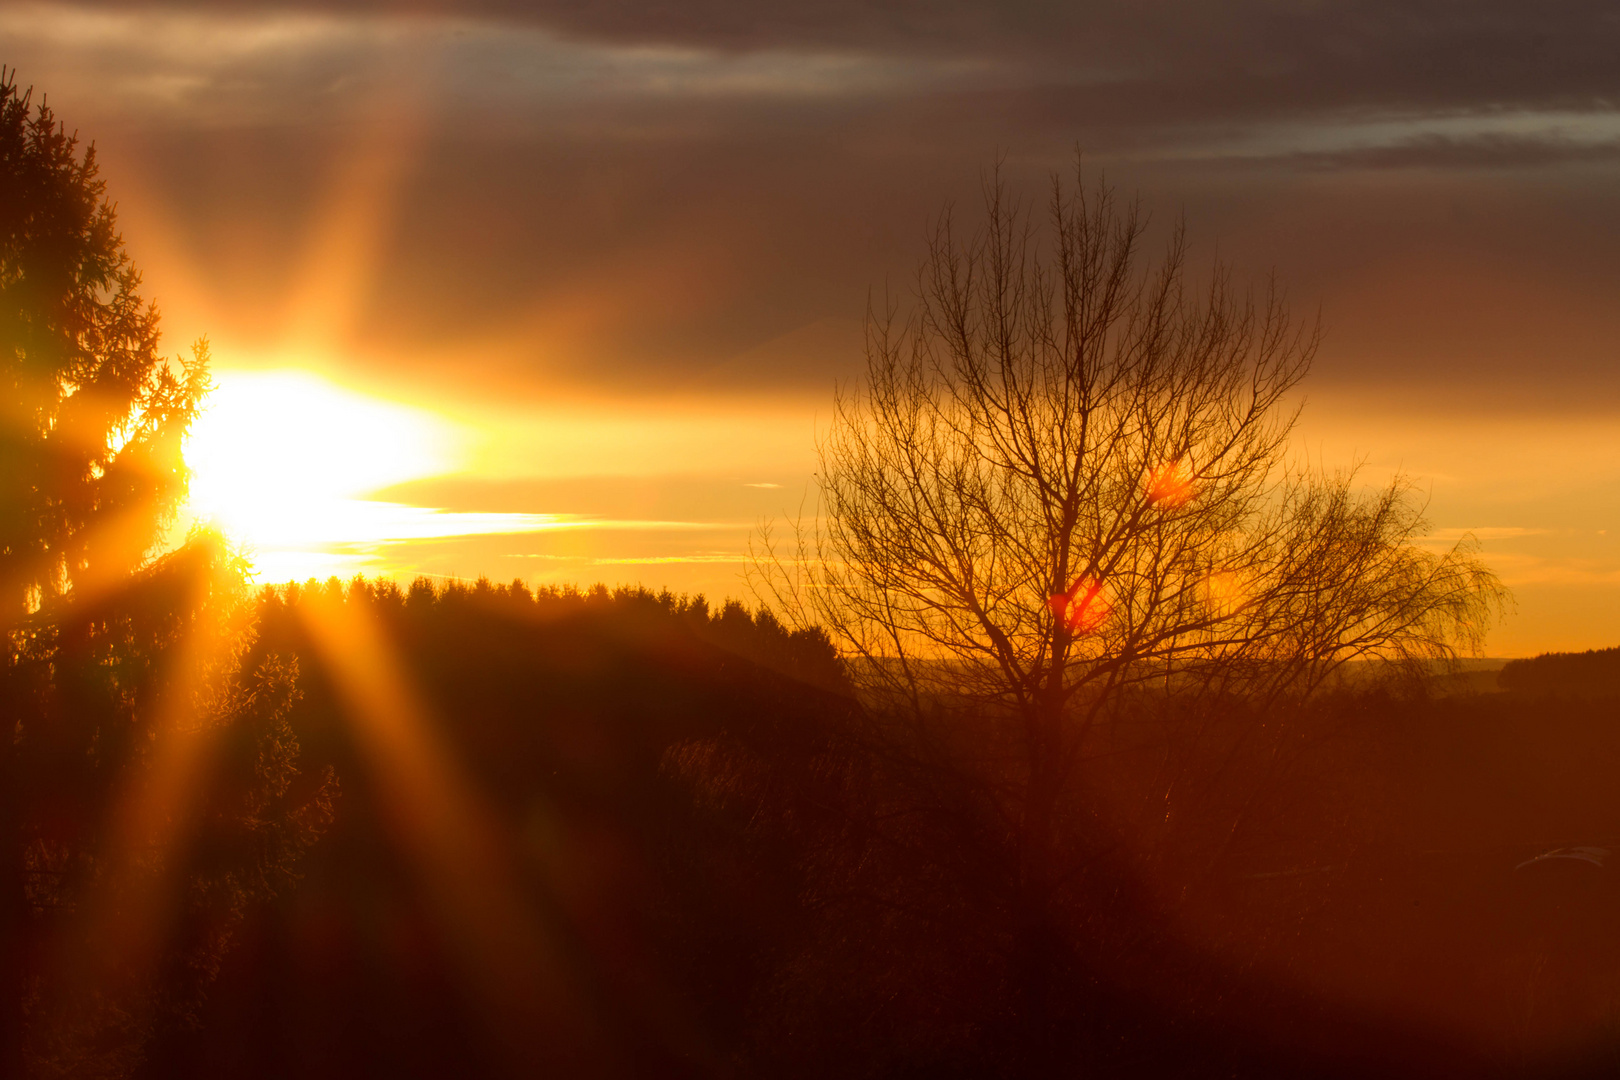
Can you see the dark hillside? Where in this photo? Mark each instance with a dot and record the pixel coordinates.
(562, 710)
(716, 867)
(1446, 863)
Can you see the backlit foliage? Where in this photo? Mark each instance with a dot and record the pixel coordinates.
(149, 784)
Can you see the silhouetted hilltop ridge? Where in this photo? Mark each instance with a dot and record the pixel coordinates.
(1594, 673)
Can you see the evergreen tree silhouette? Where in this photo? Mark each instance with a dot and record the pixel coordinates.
(112, 657)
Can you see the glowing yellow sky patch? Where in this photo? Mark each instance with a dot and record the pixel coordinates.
(1224, 594)
(267, 440)
(282, 460)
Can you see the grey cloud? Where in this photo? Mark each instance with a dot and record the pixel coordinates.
(1115, 76)
(1334, 54)
(668, 196)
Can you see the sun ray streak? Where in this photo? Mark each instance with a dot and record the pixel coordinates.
(120, 929)
(454, 841)
(350, 230)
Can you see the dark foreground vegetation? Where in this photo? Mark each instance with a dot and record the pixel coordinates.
(725, 868)
(1080, 799)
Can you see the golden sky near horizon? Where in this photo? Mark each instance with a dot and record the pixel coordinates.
(659, 496)
(509, 293)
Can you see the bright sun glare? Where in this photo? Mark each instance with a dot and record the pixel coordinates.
(270, 448)
(282, 460)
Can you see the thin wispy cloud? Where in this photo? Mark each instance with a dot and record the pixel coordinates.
(1482, 533)
(364, 521)
(1465, 139)
(643, 560)
(230, 67)
(1520, 569)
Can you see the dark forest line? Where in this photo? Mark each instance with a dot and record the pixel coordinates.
(1593, 673)
(735, 870)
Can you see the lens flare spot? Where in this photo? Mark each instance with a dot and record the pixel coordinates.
(1170, 484)
(1083, 609)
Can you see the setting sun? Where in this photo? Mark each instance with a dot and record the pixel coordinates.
(282, 462)
(271, 446)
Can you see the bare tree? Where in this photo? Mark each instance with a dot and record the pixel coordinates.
(1065, 475)
(1065, 480)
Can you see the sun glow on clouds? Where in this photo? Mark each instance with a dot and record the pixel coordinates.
(281, 461)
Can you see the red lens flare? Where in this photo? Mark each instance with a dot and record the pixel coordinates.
(1170, 484)
(1083, 609)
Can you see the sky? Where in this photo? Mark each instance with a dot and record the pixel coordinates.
(561, 291)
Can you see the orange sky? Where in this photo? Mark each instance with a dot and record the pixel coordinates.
(554, 294)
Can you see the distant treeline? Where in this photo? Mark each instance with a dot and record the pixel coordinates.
(624, 833)
(1594, 673)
